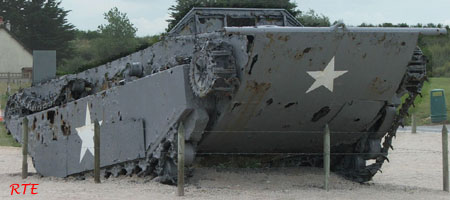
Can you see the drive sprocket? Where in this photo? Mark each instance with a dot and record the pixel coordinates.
(213, 68)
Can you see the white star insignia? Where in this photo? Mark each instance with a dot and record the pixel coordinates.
(86, 134)
(326, 77)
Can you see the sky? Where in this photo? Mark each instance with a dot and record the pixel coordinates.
(150, 16)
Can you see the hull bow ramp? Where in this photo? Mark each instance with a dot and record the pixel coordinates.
(265, 85)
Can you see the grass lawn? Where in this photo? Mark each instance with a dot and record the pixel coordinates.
(5, 139)
(422, 109)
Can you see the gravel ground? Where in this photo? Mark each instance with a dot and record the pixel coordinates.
(415, 172)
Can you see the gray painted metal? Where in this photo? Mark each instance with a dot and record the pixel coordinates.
(423, 31)
(56, 145)
(44, 66)
(262, 94)
(280, 76)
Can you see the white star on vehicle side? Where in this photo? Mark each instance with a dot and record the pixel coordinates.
(86, 134)
(326, 77)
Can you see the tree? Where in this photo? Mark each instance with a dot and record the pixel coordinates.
(117, 36)
(182, 7)
(40, 24)
(311, 18)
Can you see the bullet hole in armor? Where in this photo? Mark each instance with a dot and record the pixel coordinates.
(270, 101)
(286, 126)
(54, 138)
(321, 113)
(235, 105)
(305, 51)
(34, 124)
(290, 104)
(255, 58)
(250, 39)
(51, 116)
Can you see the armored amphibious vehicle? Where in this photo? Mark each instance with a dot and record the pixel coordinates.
(241, 81)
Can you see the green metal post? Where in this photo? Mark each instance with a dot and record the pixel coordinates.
(326, 155)
(180, 183)
(25, 148)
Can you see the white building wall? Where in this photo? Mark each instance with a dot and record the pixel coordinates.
(13, 56)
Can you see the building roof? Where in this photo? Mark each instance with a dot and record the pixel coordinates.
(2, 27)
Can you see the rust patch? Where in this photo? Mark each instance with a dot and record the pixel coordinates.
(299, 55)
(105, 85)
(379, 85)
(271, 40)
(257, 87)
(284, 38)
(270, 36)
(382, 39)
(255, 93)
(33, 127)
(51, 116)
(65, 128)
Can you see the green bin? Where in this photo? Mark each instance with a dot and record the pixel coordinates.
(437, 105)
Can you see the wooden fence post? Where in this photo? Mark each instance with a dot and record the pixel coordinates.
(445, 157)
(24, 148)
(326, 155)
(96, 152)
(180, 181)
(7, 84)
